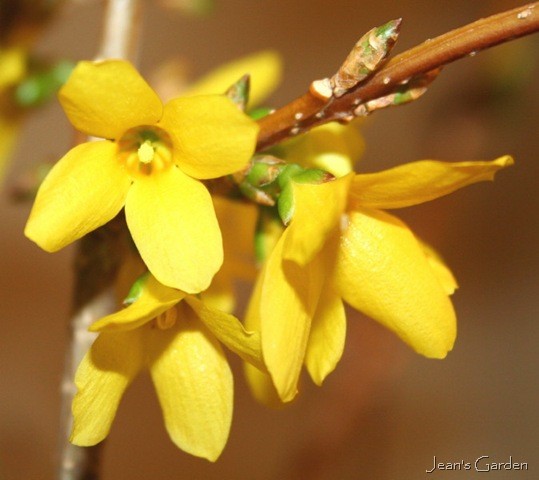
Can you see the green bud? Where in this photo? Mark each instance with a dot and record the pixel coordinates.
(314, 176)
(239, 92)
(287, 173)
(264, 170)
(365, 57)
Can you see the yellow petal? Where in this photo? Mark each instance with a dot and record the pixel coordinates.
(104, 99)
(286, 304)
(264, 68)
(229, 331)
(328, 333)
(173, 224)
(83, 191)
(106, 370)
(382, 271)
(154, 300)
(194, 385)
(220, 294)
(440, 269)
(260, 384)
(211, 136)
(261, 387)
(332, 147)
(419, 182)
(308, 231)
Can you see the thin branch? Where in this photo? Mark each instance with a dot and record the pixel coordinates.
(97, 261)
(430, 55)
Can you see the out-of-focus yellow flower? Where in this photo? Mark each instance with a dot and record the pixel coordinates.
(264, 69)
(151, 162)
(175, 336)
(12, 70)
(237, 221)
(341, 245)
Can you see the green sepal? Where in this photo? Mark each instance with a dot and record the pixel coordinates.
(260, 112)
(136, 289)
(286, 204)
(267, 232)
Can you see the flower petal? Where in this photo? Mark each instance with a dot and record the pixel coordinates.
(173, 224)
(440, 269)
(154, 300)
(419, 182)
(229, 330)
(286, 303)
(102, 377)
(309, 232)
(106, 98)
(328, 333)
(261, 387)
(331, 147)
(194, 385)
(264, 68)
(382, 271)
(83, 191)
(211, 136)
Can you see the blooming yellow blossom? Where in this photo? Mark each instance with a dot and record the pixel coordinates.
(352, 250)
(152, 161)
(173, 335)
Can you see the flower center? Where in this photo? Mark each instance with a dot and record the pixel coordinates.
(145, 150)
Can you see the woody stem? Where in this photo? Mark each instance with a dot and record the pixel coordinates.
(429, 55)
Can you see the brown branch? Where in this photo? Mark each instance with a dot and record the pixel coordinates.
(309, 111)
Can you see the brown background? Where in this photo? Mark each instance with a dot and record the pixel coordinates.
(385, 412)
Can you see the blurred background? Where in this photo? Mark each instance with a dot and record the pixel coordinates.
(385, 412)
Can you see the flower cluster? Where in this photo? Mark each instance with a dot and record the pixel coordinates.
(321, 232)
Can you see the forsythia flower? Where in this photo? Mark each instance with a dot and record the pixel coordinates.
(352, 250)
(12, 70)
(152, 162)
(174, 335)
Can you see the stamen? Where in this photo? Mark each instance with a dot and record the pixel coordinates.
(146, 152)
(167, 319)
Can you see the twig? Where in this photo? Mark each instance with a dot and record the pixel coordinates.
(97, 260)
(424, 58)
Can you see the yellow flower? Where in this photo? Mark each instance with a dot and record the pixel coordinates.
(151, 162)
(12, 70)
(354, 251)
(264, 69)
(174, 336)
(238, 221)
